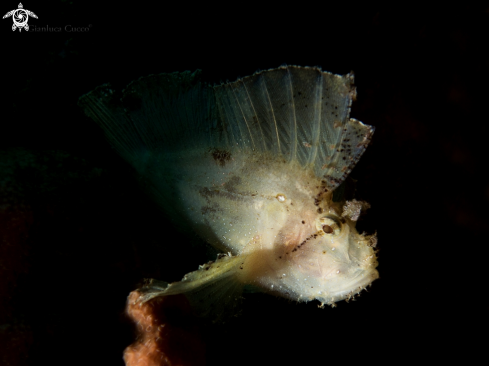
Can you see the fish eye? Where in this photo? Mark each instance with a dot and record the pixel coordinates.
(328, 229)
(330, 225)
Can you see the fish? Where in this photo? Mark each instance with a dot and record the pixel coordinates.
(251, 167)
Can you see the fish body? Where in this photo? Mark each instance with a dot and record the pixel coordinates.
(251, 167)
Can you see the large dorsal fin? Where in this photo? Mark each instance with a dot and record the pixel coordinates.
(301, 113)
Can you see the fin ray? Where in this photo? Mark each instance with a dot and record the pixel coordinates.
(301, 113)
(211, 289)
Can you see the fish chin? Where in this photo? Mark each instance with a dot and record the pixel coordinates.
(352, 274)
(349, 287)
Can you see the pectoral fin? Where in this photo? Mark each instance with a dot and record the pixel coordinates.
(213, 288)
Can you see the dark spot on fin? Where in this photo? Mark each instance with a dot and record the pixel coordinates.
(220, 156)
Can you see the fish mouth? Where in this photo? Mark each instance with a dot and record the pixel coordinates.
(362, 276)
(359, 282)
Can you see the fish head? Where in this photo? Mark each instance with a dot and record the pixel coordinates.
(325, 259)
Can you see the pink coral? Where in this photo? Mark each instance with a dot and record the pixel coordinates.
(167, 333)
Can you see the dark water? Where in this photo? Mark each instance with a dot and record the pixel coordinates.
(77, 235)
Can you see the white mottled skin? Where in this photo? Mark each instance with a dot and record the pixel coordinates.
(235, 201)
(239, 164)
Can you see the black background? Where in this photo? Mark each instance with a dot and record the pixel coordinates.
(78, 235)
